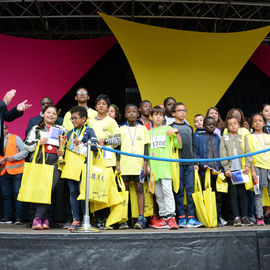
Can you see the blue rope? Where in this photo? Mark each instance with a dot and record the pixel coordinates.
(183, 160)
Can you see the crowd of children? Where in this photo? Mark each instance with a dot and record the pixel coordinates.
(150, 131)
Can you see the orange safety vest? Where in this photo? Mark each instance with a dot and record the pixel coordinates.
(16, 166)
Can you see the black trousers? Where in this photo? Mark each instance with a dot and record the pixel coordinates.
(239, 199)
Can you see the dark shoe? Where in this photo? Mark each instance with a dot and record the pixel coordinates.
(67, 224)
(100, 225)
(5, 220)
(267, 219)
(54, 225)
(140, 224)
(18, 221)
(253, 219)
(123, 226)
(247, 222)
(28, 225)
(237, 222)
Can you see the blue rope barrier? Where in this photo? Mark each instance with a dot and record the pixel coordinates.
(184, 160)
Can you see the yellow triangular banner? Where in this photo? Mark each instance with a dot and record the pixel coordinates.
(195, 68)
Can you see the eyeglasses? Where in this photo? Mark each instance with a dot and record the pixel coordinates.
(74, 118)
(82, 92)
(180, 110)
(44, 103)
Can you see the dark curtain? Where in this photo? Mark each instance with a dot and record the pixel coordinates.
(249, 90)
(107, 76)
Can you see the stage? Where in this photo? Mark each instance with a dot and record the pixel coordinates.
(217, 248)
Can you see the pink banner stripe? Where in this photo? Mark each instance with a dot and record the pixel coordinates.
(37, 68)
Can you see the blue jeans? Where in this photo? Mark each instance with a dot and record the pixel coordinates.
(74, 191)
(186, 181)
(10, 185)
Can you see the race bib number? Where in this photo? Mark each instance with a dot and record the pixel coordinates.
(158, 141)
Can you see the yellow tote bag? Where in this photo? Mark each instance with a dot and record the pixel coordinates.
(119, 212)
(221, 184)
(210, 201)
(198, 200)
(148, 201)
(37, 179)
(99, 180)
(73, 167)
(265, 198)
(95, 206)
(175, 168)
(114, 195)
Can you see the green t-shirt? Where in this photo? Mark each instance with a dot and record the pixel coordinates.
(160, 146)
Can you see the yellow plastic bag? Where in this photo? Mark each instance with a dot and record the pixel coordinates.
(175, 168)
(199, 201)
(148, 201)
(265, 198)
(221, 184)
(73, 167)
(114, 195)
(119, 212)
(99, 180)
(95, 206)
(37, 179)
(210, 201)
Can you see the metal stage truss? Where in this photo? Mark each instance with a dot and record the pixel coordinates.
(78, 19)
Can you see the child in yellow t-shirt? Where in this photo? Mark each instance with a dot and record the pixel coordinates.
(108, 134)
(261, 162)
(134, 139)
(106, 129)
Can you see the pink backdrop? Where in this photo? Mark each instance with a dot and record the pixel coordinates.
(38, 68)
(261, 58)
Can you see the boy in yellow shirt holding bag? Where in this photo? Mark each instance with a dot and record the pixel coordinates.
(134, 139)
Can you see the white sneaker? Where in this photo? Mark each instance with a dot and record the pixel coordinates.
(222, 222)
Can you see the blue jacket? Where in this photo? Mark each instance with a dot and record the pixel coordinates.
(89, 134)
(201, 142)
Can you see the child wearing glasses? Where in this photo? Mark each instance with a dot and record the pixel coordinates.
(187, 151)
(79, 135)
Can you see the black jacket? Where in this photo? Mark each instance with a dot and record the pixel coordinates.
(8, 116)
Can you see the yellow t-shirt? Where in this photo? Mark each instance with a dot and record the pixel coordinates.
(241, 131)
(131, 165)
(67, 124)
(104, 129)
(259, 142)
